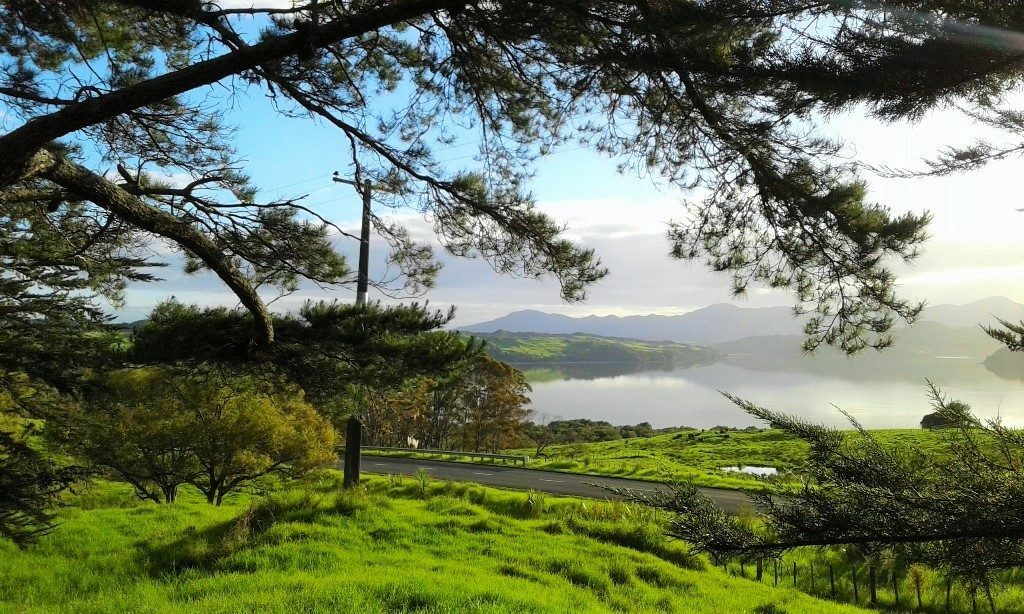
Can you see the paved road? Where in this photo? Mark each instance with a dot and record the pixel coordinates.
(557, 483)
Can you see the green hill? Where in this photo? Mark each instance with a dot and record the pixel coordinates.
(395, 546)
(545, 349)
(1006, 364)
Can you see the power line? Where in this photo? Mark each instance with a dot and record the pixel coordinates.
(554, 153)
(332, 201)
(446, 148)
(264, 191)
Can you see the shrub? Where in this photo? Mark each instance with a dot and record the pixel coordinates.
(157, 430)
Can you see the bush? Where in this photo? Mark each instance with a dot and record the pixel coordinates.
(936, 420)
(158, 430)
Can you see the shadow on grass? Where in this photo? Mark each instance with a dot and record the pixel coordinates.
(204, 549)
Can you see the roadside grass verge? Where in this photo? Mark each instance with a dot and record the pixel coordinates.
(393, 545)
(700, 455)
(898, 588)
(692, 455)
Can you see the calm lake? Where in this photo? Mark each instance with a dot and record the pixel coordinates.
(879, 392)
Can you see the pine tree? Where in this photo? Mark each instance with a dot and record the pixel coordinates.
(714, 94)
(955, 505)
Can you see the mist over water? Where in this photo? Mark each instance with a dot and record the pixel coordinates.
(879, 393)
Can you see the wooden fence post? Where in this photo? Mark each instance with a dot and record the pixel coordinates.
(896, 589)
(759, 570)
(775, 569)
(853, 574)
(353, 448)
(794, 574)
(743, 570)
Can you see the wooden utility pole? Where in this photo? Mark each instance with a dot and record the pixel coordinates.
(354, 428)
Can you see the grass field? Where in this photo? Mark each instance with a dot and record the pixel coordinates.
(540, 347)
(699, 455)
(397, 545)
(690, 455)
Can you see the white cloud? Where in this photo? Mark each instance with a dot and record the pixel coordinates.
(643, 278)
(974, 252)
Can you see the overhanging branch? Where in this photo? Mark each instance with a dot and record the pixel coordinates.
(18, 147)
(89, 186)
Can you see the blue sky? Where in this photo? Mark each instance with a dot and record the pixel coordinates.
(975, 250)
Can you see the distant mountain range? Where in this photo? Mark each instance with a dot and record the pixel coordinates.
(947, 341)
(724, 322)
(714, 324)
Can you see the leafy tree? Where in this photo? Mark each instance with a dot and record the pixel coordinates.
(391, 416)
(716, 94)
(158, 429)
(243, 435)
(441, 429)
(494, 405)
(582, 430)
(936, 420)
(479, 405)
(136, 424)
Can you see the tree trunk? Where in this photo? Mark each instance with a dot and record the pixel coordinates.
(871, 583)
(896, 589)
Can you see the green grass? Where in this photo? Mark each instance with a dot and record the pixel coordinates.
(396, 545)
(699, 456)
(1007, 586)
(536, 348)
(543, 375)
(541, 348)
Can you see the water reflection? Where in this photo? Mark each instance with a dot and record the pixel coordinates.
(749, 470)
(879, 392)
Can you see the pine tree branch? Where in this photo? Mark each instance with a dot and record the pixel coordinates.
(18, 147)
(90, 186)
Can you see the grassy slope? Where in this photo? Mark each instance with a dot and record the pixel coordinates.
(695, 455)
(539, 347)
(459, 549)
